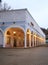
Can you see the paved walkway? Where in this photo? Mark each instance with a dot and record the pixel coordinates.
(33, 56)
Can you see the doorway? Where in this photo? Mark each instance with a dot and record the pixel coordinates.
(14, 44)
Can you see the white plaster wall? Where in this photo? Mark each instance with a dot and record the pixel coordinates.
(29, 19)
(20, 15)
(13, 15)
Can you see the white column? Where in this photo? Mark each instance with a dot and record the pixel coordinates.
(4, 41)
(41, 42)
(37, 41)
(25, 44)
(33, 40)
(29, 40)
(11, 41)
(44, 41)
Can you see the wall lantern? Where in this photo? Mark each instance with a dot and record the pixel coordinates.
(14, 22)
(3, 23)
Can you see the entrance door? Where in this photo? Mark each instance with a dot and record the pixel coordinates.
(14, 42)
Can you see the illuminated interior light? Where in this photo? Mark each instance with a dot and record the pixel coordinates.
(14, 32)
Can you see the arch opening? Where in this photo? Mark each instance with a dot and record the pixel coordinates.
(14, 37)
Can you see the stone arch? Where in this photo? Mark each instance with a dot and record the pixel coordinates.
(14, 26)
(15, 37)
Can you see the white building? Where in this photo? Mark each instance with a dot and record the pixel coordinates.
(19, 29)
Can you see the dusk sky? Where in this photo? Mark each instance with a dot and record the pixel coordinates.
(37, 8)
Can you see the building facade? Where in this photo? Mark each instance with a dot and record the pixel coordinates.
(46, 34)
(19, 29)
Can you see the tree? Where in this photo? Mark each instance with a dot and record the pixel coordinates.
(6, 7)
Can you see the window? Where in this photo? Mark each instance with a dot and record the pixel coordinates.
(32, 24)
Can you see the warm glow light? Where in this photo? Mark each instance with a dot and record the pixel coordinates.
(35, 35)
(14, 32)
